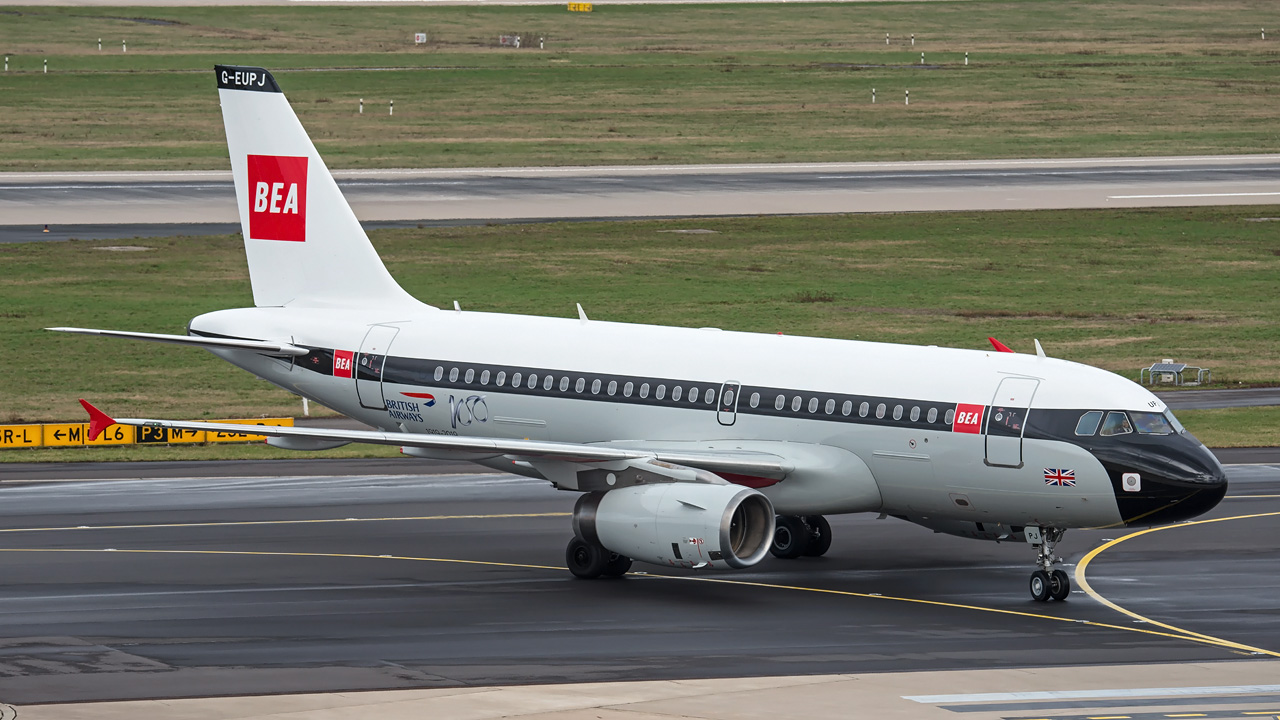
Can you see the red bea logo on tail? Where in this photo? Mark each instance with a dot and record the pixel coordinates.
(278, 198)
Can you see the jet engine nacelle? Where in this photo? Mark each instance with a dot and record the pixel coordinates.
(681, 524)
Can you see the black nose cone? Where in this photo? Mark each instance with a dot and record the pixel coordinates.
(1177, 479)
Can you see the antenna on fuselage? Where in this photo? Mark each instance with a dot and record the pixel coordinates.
(582, 314)
(456, 306)
(1039, 350)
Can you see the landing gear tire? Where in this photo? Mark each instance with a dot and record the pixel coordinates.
(1059, 585)
(585, 559)
(819, 536)
(790, 537)
(1040, 586)
(617, 566)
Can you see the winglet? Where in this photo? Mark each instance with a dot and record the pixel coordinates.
(999, 345)
(98, 420)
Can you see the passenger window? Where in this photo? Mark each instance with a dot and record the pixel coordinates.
(547, 382)
(795, 403)
(533, 381)
(484, 377)
(502, 378)
(755, 399)
(693, 394)
(613, 387)
(709, 397)
(515, 379)
(933, 415)
(471, 375)
(880, 411)
(644, 390)
(780, 402)
(453, 375)
(813, 404)
(439, 373)
(846, 408)
(897, 412)
(595, 387)
(728, 398)
(831, 407)
(1088, 424)
(580, 385)
(1117, 423)
(660, 393)
(915, 414)
(676, 392)
(863, 409)
(564, 384)
(951, 415)
(626, 389)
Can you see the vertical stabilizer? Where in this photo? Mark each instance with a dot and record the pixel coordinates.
(305, 246)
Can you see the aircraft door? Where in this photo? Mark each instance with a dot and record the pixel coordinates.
(727, 409)
(373, 355)
(1007, 420)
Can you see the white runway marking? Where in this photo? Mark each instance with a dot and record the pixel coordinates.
(1191, 195)
(1083, 694)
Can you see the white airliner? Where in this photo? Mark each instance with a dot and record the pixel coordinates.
(692, 447)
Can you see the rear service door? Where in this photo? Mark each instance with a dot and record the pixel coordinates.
(373, 355)
(1007, 420)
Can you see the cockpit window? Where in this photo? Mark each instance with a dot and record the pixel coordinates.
(1149, 423)
(1177, 426)
(1117, 423)
(1089, 422)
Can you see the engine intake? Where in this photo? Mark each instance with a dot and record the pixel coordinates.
(679, 524)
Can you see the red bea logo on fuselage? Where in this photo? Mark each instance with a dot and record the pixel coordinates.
(278, 198)
(968, 419)
(343, 363)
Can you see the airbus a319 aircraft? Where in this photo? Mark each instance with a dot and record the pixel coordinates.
(697, 448)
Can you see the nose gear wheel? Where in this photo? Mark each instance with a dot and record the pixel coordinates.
(1049, 583)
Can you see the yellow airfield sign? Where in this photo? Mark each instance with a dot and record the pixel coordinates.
(219, 436)
(579, 7)
(19, 436)
(75, 434)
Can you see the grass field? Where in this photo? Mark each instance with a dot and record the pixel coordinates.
(1117, 289)
(650, 84)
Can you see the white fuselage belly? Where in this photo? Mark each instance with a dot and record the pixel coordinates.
(924, 470)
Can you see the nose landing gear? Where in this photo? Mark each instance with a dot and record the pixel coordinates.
(1048, 582)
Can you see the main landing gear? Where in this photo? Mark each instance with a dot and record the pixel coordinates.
(1047, 582)
(796, 535)
(590, 560)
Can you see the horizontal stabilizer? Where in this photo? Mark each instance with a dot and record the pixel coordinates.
(274, 348)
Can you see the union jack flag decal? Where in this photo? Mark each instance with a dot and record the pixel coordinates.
(1060, 477)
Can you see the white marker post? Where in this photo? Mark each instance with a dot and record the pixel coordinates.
(913, 39)
(391, 109)
(306, 409)
(1264, 33)
(99, 44)
(124, 46)
(886, 38)
(908, 102)
(46, 66)
(361, 106)
(873, 96)
(921, 58)
(966, 59)
(541, 43)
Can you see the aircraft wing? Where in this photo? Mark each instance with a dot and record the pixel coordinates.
(274, 348)
(743, 462)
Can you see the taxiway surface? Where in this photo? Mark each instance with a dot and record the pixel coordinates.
(88, 205)
(173, 587)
